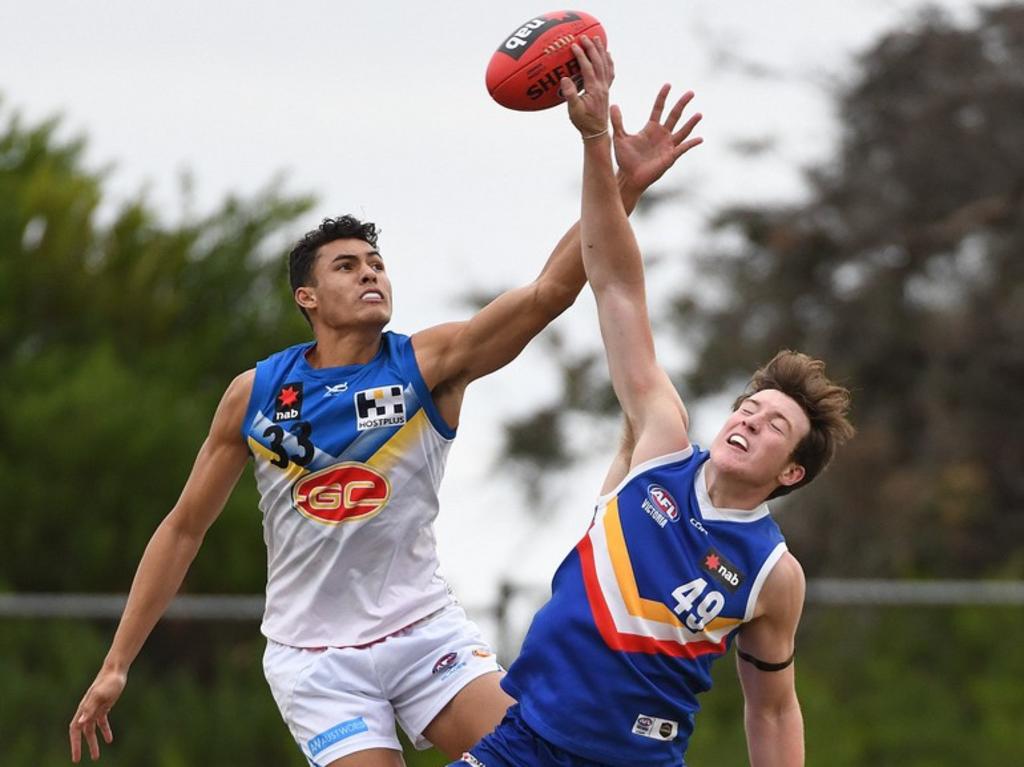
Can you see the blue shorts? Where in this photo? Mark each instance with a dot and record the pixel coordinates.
(514, 744)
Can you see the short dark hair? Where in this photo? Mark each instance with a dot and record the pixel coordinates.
(826, 403)
(303, 255)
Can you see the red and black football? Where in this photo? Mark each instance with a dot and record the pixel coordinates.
(525, 71)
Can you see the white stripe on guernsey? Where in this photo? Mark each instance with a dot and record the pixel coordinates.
(762, 576)
(625, 623)
(640, 468)
(708, 510)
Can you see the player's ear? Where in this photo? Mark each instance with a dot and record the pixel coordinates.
(305, 297)
(792, 474)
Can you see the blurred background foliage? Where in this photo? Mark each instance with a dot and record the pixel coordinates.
(903, 268)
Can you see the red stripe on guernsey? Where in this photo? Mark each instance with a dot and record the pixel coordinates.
(615, 639)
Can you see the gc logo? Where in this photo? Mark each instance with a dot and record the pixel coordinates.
(345, 492)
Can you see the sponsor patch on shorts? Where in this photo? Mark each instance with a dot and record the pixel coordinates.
(472, 761)
(336, 734)
(652, 727)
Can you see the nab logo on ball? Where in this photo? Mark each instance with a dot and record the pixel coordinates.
(519, 41)
(345, 492)
(526, 71)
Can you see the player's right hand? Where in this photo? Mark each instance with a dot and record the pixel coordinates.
(92, 713)
(589, 111)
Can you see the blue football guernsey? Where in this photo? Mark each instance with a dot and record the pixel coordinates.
(612, 665)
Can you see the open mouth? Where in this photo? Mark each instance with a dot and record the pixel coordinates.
(737, 440)
(372, 295)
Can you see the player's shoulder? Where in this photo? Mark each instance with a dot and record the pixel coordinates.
(236, 397)
(241, 384)
(785, 587)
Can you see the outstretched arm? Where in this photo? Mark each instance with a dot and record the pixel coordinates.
(452, 355)
(167, 558)
(614, 267)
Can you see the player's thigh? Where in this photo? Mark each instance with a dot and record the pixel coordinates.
(371, 757)
(474, 712)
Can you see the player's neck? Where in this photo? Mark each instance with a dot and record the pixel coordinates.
(727, 492)
(339, 347)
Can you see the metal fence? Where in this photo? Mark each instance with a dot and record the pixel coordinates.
(505, 619)
(820, 591)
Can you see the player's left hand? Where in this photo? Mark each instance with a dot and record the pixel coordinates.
(589, 110)
(644, 157)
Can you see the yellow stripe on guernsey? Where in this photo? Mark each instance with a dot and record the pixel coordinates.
(291, 473)
(391, 451)
(637, 605)
(383, 460)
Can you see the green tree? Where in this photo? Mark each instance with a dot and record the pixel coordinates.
(116, 341)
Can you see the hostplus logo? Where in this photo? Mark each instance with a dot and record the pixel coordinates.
(381, 406)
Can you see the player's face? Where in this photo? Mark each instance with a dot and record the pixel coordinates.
(757, 441)
(351, 285)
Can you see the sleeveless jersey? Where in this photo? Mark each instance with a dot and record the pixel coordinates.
(612, 665)
(348, 461)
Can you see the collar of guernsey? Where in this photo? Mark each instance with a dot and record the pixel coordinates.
(652, 594)
(348, 462)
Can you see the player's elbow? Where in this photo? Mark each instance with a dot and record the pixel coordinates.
(552, 297)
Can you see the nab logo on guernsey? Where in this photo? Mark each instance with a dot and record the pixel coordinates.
(383, 406)
(660, 505)
(652, 727)
(345, 492)
(722, 570)
(288, 403)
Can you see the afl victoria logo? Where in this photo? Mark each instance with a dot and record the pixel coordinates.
(345, 492)
(663, 499)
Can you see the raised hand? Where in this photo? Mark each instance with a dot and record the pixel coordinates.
(589, 110)
(644, 157)
(92, 713)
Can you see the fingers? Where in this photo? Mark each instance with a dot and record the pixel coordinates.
(659, 104)
(108, 734)
(617, 128)
(677, 110)
(569, 91)
(84, 725)
(90, 738)
(685, 147)
(76, 742)
(687, 128)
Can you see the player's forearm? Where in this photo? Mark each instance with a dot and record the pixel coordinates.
(776, 739)
(610, 253)
(563, 276)
(163, 566)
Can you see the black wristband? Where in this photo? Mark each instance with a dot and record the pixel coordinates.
(763, 665)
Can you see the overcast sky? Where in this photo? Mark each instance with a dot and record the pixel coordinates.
(380, 109)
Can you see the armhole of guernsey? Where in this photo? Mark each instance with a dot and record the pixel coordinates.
(762, 576)
(407, 358)
(255, 398)
(640, 468)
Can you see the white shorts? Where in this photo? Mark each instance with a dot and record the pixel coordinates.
(340, 700)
